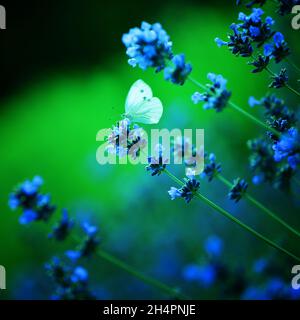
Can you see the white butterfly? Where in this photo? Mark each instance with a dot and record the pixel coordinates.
(141, 106)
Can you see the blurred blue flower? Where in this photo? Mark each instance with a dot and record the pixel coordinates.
(63, 228)
(260, 265)
(89, 245)
(213, 245)
(254, 293)
(288, 147)
(205, 274)
(35, 205)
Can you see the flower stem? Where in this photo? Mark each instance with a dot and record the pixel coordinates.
(240, 110)
(286, 84)
(293, 64)
(172, 292)
(235, 220)
(261, 207)
(254, 119)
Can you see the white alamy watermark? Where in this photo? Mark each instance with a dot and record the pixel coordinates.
(296, 279)
(2, 18)
(296, 19)
(123, 145)
(2, 278)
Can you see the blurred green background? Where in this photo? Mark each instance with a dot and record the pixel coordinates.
(65, 76)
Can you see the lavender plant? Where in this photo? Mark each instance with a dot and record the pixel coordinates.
(70, 279)
(251, 31)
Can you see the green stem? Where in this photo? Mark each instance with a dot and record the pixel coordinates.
(250, 116)
(293, 64)
(240, 110)
(235, 220)
(261, 207)
(173, 292)
(286, 85)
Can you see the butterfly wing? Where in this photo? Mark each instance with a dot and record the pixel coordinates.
(141, 106)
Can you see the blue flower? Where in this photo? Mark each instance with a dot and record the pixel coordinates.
(174, 193)
(278, 115)
(148, 46)
(205, 274)
(211, 168)
(217, 95)
(79, 275)
(255, 28)
(238, 189)
(238, 43)
(35, 205)
(260, 265)
(28, 216)
(213, 246)
(156, 165)
(278, 49)
(260, 63)
(279, 80)
(254, 293)
(180, 70)
(63, 228)
(89, 246)
(288, 147)
(70, 282)
(266, 169)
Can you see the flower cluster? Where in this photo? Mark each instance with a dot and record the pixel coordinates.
(187, 191)
(277, 113)
(260, 63)
(34, 205)
(279, 80)
(71, 282)
(70, 279)
(150, 47)
(288, 147)
(61, 231)
(238, 189)
(278, 49)
(179, 71)
(206, 274)
(276, 159)
(251, 29)
(284, 6)
(156, 165)
(126, 139)
(89, 245)
(217, 96)
(266, 169)
(211, 168)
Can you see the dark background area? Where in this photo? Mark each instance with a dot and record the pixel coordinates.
(44, 36)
